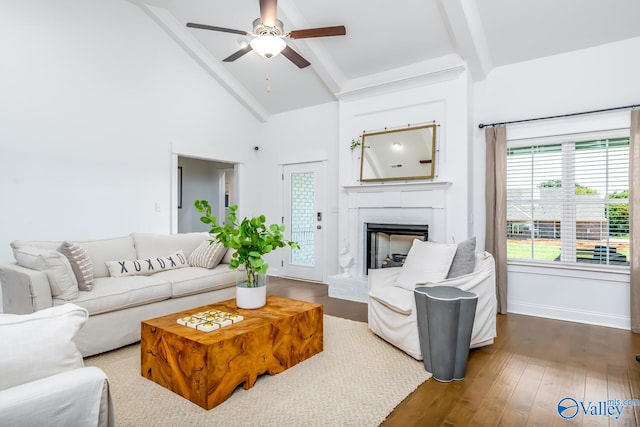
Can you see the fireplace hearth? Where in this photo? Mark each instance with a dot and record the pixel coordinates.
(387, 245)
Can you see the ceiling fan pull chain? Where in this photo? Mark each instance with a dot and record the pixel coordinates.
(268, 85)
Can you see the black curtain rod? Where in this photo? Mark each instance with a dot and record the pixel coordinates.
(482, 125)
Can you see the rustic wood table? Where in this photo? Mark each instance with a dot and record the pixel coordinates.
(206, 367)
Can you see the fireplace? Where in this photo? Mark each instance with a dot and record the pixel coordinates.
(382, 206)
(387, 245)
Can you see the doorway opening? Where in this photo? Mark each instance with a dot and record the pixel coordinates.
(201, 179)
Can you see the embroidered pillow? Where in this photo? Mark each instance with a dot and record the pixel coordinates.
(145, 267)
(208, 254)
(81, 264)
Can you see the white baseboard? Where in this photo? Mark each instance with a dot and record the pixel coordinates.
(562, 313)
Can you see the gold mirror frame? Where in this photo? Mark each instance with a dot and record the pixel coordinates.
(400, 154)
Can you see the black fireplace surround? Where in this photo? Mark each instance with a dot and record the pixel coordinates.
(372, 230)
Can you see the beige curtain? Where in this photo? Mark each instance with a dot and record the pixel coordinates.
(496, 197)
(634, 218)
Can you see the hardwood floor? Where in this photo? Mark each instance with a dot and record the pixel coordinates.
(317, 292)
(520, 379)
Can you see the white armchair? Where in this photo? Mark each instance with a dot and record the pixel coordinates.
(392, 309)
(43, 380)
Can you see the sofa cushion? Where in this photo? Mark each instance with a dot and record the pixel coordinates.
(394, 297)
(39, 344)
(80, 264)
(62, 280)
(101, 251)
(425, 262)
(44, 244)
(464, 260)
(193, 280)
(117, 293)
(146, 267)
(208, 254)
(158, 245)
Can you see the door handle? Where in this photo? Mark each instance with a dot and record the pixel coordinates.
(319, 227)
(319, 216)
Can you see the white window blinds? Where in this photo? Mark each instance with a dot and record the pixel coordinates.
(568, 201)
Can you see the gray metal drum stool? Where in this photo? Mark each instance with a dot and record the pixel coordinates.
(445, 321)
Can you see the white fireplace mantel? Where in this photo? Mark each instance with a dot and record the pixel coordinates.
(396, 186)
(397, 195)
(386, 203)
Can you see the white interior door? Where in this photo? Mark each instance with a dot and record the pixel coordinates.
(304, 220)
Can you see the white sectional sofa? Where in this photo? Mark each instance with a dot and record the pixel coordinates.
(116, 305)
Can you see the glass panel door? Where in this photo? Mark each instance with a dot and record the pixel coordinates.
(304, 210)
(303, 217)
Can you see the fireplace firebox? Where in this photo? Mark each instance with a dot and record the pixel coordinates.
(387, 245)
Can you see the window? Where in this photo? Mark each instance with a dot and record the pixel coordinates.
(567, 201)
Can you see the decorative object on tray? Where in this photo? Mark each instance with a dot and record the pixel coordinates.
(251, 239)
(210, 320)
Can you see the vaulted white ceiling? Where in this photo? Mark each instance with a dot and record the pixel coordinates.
(385, 41)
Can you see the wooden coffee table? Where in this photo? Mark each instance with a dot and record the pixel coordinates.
(206, 367)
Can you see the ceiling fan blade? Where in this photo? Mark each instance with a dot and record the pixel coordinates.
(238, 54)
(268, 12)
(339, 30)
(210, 27)
(295, 57)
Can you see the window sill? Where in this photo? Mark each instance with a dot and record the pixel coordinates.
(587, 271)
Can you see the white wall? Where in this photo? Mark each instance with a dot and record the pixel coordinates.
(596, 78)
(300, 136)
(95, 96)
(444, 102)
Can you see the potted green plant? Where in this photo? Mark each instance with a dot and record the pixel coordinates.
(250, 239)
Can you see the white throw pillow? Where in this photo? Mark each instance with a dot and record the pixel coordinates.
(425, 262)
(145, 267)
(40, 344)
(62, 280)
(208, 254)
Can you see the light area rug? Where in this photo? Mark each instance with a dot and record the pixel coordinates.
(356, 381)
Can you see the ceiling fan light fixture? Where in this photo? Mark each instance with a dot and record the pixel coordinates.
(268, 36)
(268, 45)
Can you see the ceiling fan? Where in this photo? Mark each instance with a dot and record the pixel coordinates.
(269, 38)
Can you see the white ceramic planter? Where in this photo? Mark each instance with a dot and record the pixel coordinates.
(251, 297)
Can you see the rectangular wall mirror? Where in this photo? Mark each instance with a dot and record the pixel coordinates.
(399, 154)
